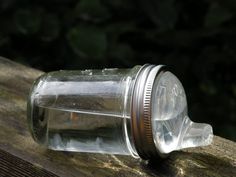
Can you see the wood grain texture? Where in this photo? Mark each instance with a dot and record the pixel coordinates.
(21, 156)
(11, 165)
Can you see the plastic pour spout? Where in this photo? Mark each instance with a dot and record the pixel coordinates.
(172, 128)
(140, 111)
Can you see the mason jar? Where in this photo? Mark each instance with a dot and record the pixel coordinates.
(140, 111)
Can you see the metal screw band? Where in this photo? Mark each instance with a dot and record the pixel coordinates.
(141, 112)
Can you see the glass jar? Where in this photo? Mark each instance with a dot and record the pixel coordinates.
(140, 112)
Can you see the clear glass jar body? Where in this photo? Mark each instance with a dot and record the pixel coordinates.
(85, 111)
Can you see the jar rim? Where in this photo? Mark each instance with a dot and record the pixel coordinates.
(141, 120)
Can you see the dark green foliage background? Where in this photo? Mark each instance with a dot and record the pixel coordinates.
(197, 39)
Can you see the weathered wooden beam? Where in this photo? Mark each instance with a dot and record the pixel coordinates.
(21, 156)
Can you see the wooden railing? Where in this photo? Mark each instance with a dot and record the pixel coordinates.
(21, 156)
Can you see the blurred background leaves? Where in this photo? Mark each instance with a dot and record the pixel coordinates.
(197, 39)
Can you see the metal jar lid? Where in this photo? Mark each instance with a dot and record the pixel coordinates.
(141, 111)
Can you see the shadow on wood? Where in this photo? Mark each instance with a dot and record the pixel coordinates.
(21, 156)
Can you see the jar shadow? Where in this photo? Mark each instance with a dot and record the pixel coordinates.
(190, 164)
